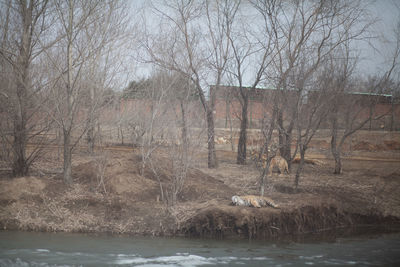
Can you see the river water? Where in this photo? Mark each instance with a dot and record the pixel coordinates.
(61, 249)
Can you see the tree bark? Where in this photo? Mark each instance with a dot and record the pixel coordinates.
(300, 167)
(392, 115)
(336, 153)
(90, 135)
(67, 158)
(267, 141)
(285, 139)
(212, 156)
(70, 99)
(335, 149)
(226, 112)
(287, 154)
(209, 109)
(282, 139)
(241, 155)
(20, 165)
(184, 126)
(338, 162)
(263, 179)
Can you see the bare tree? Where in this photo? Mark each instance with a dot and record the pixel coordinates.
(111, 30)
(182, 154)
(393, 79)
(304, 30)
(269, 147)
(167, 104)
(23, 25)
(312, 111)
(249, 49)
(154, 120)
(197, 52)
(228, 117)
(347, 112)
(348, 107)
(84, 37)
(338, 77)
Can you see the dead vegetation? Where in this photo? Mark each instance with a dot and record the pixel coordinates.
(112, 196)
(386, 145)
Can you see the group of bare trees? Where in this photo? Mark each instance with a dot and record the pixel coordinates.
(304, 50)
(55, 67)
(59, 58)
(166, 126)
(22, 24)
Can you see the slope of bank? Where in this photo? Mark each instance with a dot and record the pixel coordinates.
(129, 200)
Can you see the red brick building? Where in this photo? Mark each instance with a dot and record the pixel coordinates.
(228, 107)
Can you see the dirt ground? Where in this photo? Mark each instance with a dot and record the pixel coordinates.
(129, 200)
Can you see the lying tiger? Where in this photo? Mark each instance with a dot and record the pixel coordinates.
(278, 161)
(253, 201)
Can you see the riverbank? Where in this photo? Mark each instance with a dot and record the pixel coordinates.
(128, 202)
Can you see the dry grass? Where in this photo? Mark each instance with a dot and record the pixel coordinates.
(126, 201)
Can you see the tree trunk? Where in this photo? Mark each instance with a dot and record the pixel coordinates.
(241, 155)
(285, 140)
(251, 116)
(67, 127)
(184, 126)
(263, 178)
(263, 181)
(282, 139)
(336, 151)
(226, 112)
(67, 158)
(209, 109)
(212, 156)
(338, 162)
(230, 130)
(90, 135)
(267, 142)
(121, 133)
(370, 118)
(20, 166)
(392, 116)
(287, 154)
(300, 167)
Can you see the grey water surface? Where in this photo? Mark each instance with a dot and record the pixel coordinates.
(62, 249)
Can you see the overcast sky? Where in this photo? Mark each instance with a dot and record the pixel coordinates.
(374, 57)
(388, 14)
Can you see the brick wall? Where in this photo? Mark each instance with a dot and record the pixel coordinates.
(260, 103)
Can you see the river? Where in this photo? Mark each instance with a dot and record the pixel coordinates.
(63, 249)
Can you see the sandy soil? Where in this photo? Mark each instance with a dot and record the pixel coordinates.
(129, 199)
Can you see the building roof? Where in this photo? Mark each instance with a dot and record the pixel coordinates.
(272, 89)
(369, 94)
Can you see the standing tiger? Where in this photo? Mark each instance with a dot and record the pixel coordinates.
(277, 161)
(280, 162)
